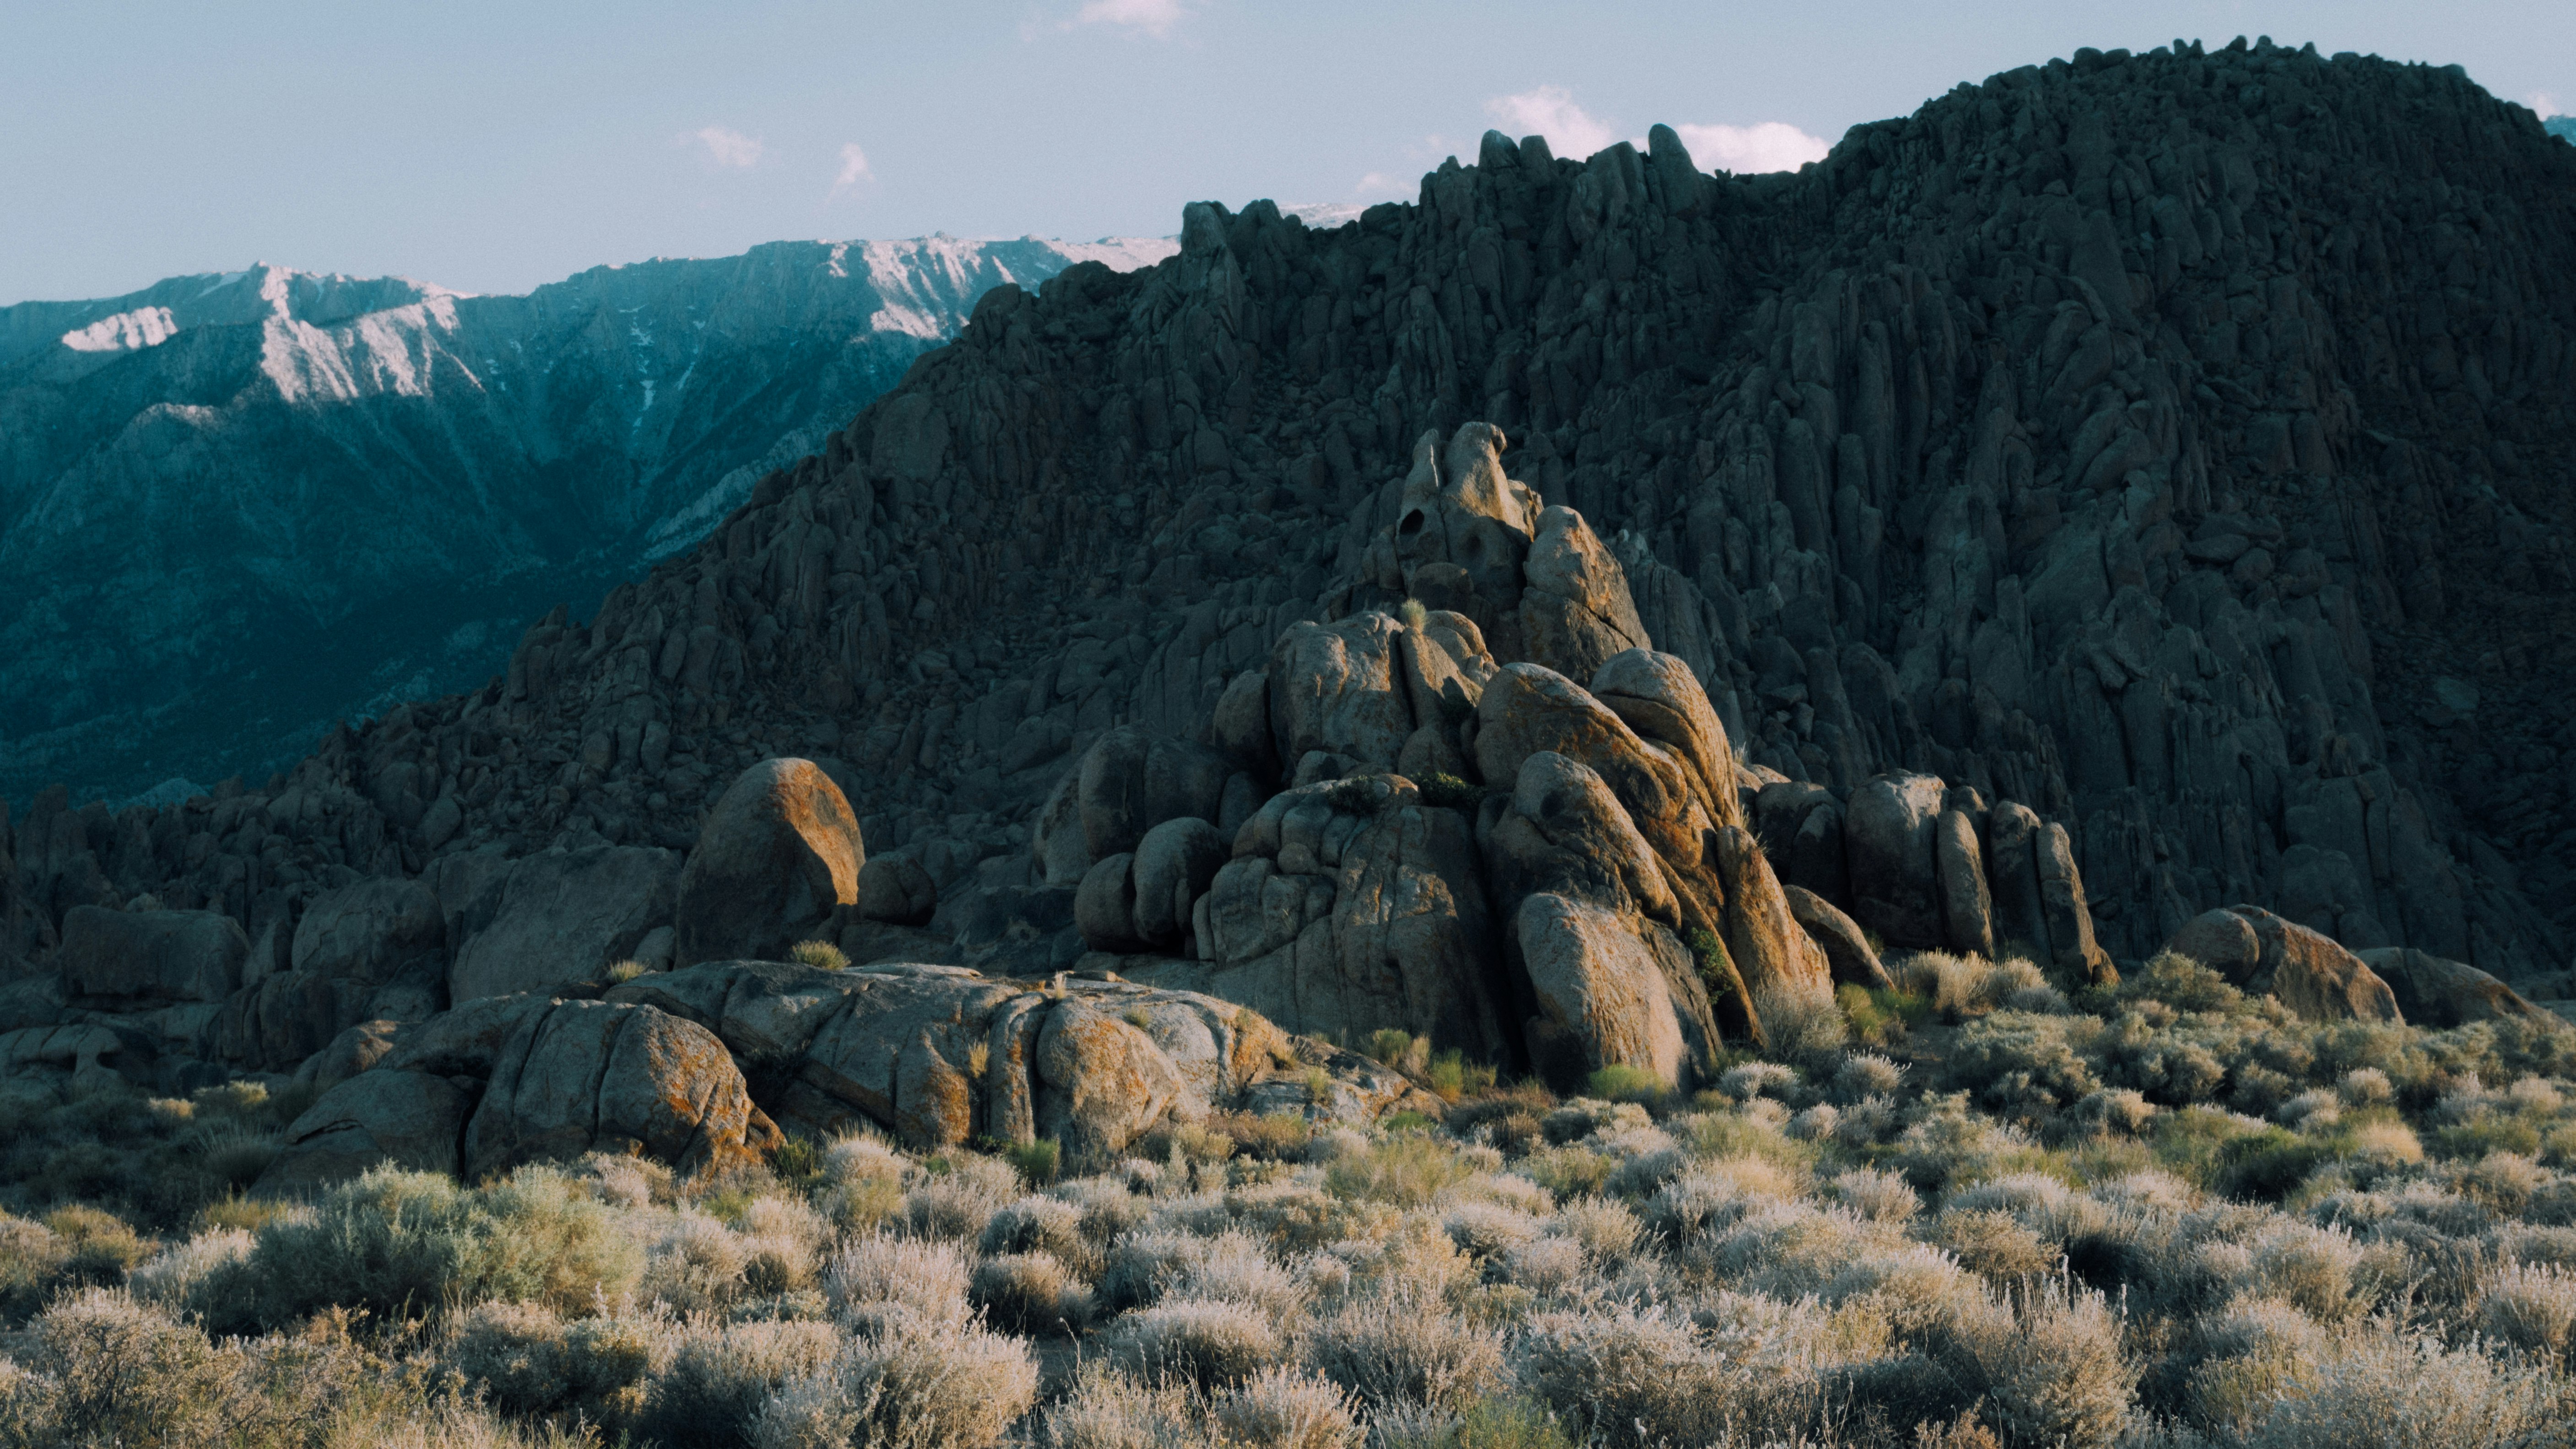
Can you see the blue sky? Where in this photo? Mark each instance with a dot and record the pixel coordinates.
(491, 147)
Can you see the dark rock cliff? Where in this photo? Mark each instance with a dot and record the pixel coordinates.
(2174, 443)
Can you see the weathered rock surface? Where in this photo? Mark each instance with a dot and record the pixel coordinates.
(1599, 991)
(1350, 907)
(406, 1119)
(2261, 953)
(780, 852)
(586, 1076)
(1889, 829)
(896, 890)
(1847, 950)
(565, 916)
(152, 956)
(2433, 992)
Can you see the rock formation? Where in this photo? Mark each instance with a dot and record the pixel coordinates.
(1574, 612)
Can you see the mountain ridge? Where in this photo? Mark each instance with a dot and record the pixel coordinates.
(2172, 525)
(209, 443)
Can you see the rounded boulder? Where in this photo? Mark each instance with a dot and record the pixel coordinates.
(779, 854)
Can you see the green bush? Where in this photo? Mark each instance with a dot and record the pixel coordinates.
(402, 1244)
(1038, 1162)
(1409, 1171)
(1621, 1083)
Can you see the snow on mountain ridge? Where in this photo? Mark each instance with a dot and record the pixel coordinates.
(235, 506)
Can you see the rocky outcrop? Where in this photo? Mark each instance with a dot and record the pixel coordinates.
(2260, 953)
(402, 1119)
(614, 1077)
(2433, 992)
(937, 1055)
(561, 916)
(1348, 907)
(144, 958)
(2114, 443)
(780, 853)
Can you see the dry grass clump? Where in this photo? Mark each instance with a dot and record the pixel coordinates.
(1206, 1342)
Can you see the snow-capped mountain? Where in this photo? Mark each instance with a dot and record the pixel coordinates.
(235, 507)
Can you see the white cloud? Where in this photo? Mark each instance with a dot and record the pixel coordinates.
(1378, 182)
(1769, 146)
(854, 167)
(2545, 104)
(729, 148)
(1550, 111)
(1154, 17)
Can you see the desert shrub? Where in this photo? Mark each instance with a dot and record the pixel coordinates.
(2384, 1388)
(171, 1277)
(1942, 1137)
(125, 1372)
(1543, 1265)
(1880, 1196)
(1630, 1376)
(2269, 1163)
(400, 1244)
(2530, 1307)
(1039, 1162)
(721, 1378)
(32, 1258)
(2045, 1358)
(1287, 1408)
(2114, 1111)
(1568, 1171)
(1489, 1230)
(1273, 1137)
(881, 1279)
(1866, 1074)
(1408, 1171)
(952, 1387)
(783, 1238)
(514, 1354)
(1448, 792)
(958, 1203)
(1992, 1243)
(1911, 1286)
(1030, 1293)
(1203, 1341)
(2181, 983)
(1107, 1409)
(2316, 1270)
(1234, 1267)
(1604, 1226)
(697, 1265)
(1620, 1083)
(1049, 1225)
(1499, 1423)
(821, 954)
(626, 1179)
(862, 1183)
(2023, 1068)
(1389, 1353)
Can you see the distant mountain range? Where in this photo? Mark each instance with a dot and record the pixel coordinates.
(2564, 126)
(236, 507)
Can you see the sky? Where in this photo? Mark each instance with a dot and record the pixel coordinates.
(490, 147)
